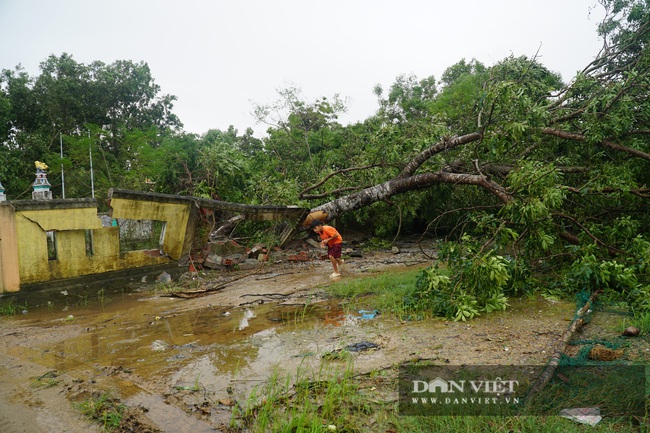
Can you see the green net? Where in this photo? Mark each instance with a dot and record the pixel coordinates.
(594, 373)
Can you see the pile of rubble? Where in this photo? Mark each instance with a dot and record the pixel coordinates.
(228, 254)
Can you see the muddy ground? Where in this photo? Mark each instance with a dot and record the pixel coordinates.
(181, 364)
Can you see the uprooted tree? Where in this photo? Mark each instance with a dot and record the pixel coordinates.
(539, 184)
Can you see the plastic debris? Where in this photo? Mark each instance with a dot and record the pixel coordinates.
(361, 346)
(583, 415)
(356, 347)
(368, 314)
(164, 278)
(159, 346)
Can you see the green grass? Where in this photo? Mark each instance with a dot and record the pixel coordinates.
(335, 399)
(470, 424)
(9, 308)
(326, 400)
(102, 408)
(387, 292)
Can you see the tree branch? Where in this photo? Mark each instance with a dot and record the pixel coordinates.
(445, 144)
(400, 185)
(610, 249)
(329, 176)
(580, 137)
(328, 193)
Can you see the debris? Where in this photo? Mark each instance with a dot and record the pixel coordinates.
(546, 375)
(584, 415)
(249, 264)
(300, 257)
(313, 243)
(356, 347)
(227, 402)
(243, 322)
(64, 292)
(159, 346)
(49, 375)
(222, 254)
(601, 353)
(361, 346)
(368, 314)
(257, 251)
(164, 278)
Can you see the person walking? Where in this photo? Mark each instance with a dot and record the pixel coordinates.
(332, 238)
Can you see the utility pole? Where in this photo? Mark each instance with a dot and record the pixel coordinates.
(92, 177)
(62, 175)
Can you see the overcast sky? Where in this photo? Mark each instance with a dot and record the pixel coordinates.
(219, 57)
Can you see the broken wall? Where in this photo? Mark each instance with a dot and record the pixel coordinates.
(174, 211)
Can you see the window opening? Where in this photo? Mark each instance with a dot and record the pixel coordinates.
(51, 245)
(141, 234)
(90, 248)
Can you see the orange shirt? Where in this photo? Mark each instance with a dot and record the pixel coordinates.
(328, 232)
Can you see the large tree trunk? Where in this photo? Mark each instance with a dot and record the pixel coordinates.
(408, 181)
(400, 185)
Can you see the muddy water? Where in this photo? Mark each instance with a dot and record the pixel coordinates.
(146, 348)
(155, 334)
(173, 357)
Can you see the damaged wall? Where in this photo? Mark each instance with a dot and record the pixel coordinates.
(79, 245)
(173, 210)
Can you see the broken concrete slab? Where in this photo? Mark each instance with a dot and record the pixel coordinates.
(226, 248)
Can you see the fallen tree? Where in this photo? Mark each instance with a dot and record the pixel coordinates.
(525, 174)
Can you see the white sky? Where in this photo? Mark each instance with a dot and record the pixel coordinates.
(219, 57)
